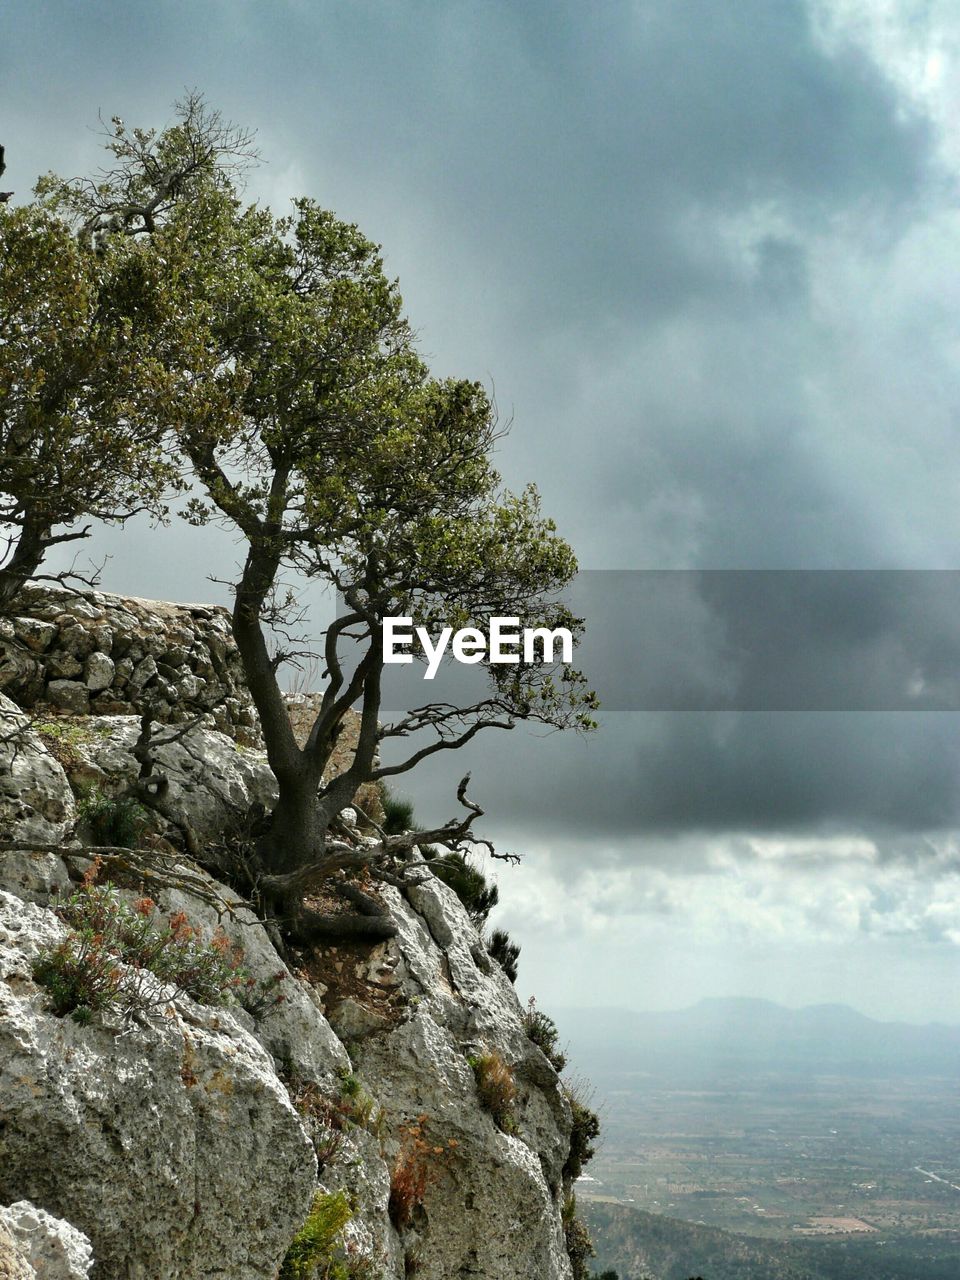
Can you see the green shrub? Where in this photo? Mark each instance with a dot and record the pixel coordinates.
(112, 820)
(316, 1249)
(576, 1237)
(357, 1106)
(397, 815)
(505, 952)
(467, 882)
(496, 1088)
(115, 950)
(586, 1127)
(542, 1030)
(323, 1118)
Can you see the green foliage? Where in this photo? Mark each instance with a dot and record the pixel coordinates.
(496, 1088)
(357, 1106)
(586, 1127)
(577, 1240)
(112, 820)
(316, 1249)
(451, 866)
(505, 951)
(276, 354)
(82, 382)
(398, 814)
(542, 1030)
(114, 951)
(467, 881)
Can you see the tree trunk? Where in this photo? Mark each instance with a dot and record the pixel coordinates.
(297, 826)
(22, 565)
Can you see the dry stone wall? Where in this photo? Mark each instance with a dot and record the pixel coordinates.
(94, 653)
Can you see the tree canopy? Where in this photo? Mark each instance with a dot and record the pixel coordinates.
(90, 333)
(305, 419)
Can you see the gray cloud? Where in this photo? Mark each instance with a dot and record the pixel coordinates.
(710, 264)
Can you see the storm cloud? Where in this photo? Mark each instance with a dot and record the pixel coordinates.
(708, 258)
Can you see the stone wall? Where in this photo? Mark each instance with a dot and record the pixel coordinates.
(93, 653)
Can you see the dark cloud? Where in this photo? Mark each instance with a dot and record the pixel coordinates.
(691, 246)
(649, 774)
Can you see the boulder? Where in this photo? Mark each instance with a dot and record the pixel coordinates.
(61, 665)
(36, 803)
(212, 783)
(20, 672)
(36, 635)
(172, 1146)
(69, 696)
(99, 672)
(53, 1248)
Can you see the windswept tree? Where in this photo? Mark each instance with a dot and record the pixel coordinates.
(313, 428)
(90, 331)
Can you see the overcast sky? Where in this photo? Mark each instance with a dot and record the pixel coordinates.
(708, 256)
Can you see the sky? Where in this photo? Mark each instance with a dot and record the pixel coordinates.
(707, 256)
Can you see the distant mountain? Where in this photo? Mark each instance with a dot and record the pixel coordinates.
(647, 1246)
(720, 1036)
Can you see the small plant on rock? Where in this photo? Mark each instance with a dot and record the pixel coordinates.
(356, 1105)
(316, 1250)
(496, 1088)
(505, 951)
(586, 1127)
(117, 821)
(419, 1161)
(323, 1119)
(542, 1030)
(116, 951)
(397, 814)
(262, 998)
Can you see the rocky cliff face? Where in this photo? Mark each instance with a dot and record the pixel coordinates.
(191, 1142)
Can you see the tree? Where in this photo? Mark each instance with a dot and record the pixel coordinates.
(79, 388)
(89, 332)
(314, 429)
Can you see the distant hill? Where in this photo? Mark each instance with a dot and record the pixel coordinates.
(718, 1036)
(642, 1245)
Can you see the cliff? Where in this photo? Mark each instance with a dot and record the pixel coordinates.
(387, 1095)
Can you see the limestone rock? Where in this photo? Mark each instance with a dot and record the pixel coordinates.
(99, 672)
(36, 635)
(492, 1206)
(33, 876)
(68, 696)
(212, 784)
(53, 1248)
(173, 1147)
(13, 1265)
(295, 1030)
(354, 1021)
(61, 665)
(36, 802)
(19, 668)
